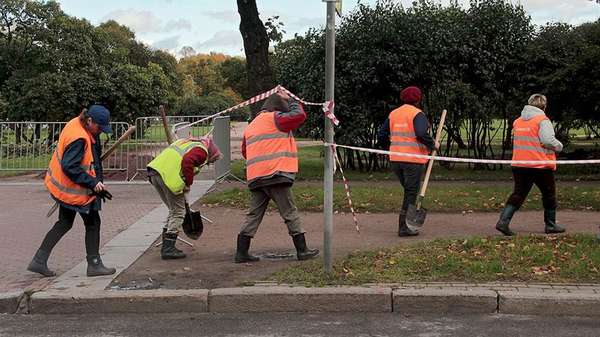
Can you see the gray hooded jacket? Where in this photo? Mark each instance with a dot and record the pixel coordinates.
(546, 133)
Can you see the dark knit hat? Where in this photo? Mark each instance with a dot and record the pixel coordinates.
(411, 95)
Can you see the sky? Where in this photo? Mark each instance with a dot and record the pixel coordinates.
(212, 25)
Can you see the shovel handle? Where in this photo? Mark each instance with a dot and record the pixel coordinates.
(438, 137)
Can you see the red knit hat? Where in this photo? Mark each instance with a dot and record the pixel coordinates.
(411, 95)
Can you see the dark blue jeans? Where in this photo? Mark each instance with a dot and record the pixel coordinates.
(409, 175)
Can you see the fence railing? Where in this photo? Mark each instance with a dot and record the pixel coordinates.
(150, 137)
(27, 146)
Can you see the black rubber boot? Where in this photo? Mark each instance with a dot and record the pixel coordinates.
(39, 264)
(505, 218)
(168, 251)
(303, 252)
(551, 227)
(97, 268)
(241, 253)
(403, 229)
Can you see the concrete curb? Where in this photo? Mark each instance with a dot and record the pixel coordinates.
(132, 301)
(402, 300)
(300, 299)
(9, 302)
(444, 301)
(548, 303)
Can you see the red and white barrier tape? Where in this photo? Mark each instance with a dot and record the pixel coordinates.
(346, 186)
(327, 106)
(470, 160)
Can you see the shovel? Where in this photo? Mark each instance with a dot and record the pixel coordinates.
(415, 215)
(192, 223)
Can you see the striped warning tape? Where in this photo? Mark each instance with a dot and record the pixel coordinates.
(346, 187)
(470, 160)
(326, 106)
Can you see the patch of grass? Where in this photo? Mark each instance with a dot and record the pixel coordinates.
(441, 198)
(568, 258)
(312, 161)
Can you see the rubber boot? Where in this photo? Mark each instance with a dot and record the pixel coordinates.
(551, 227)
(168, 251)
(303, 252)
(97, 268)
(39, 264)
(403, 229)
(241, 253)
(505, 218)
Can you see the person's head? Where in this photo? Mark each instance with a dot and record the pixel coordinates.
(411, 95)
(96, 120)
(214, 153)
(538, 101)
(276, 102)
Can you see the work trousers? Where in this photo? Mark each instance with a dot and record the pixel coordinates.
(524, 179)
(409, 175)
(175, 203)
(66, 217)
(281, 194)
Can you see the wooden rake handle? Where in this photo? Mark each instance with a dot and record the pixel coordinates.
(163, 117)
(438, 137)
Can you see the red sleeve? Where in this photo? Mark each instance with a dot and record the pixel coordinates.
(244, 147)
(192, 159)
(290, 121)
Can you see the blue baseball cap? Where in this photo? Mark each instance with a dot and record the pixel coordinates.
(101, 116)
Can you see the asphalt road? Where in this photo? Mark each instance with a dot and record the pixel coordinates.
(305, 325)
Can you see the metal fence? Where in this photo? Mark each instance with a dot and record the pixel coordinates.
(27, 146)
(150, 137)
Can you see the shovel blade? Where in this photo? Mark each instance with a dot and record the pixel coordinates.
(415, 217)
(192, 224)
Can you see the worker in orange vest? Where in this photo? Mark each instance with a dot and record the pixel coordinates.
(533, 140)
(406, 131)
(74, 180)
(271, 166)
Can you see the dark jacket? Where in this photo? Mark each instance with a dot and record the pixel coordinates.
(71, 166)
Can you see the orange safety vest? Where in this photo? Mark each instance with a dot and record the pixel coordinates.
(268, 150)
(403, 138)
(59, 185)
(527, 145)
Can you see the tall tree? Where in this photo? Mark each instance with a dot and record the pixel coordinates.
(256, 47)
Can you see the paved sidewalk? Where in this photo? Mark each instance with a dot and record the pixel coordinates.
(23, 223)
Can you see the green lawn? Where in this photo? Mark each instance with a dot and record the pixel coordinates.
(312, 161)
(383, 198)
(568, 258)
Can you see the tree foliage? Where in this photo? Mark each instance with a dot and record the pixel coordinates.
(481, 63)
(52, 65)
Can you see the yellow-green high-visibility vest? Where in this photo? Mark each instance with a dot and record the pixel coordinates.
(168, 163)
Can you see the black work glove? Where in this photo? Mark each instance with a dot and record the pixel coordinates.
(104, 195)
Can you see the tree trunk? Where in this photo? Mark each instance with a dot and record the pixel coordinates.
(256, 47)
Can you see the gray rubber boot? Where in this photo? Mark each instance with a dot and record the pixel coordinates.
(302, 251)
(241, 253)
(505, 218)
(403, 229)
(97, 268)
(39, 264)
(168, 251)
(551, 227)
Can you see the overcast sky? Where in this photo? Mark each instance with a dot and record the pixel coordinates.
(212, 25)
